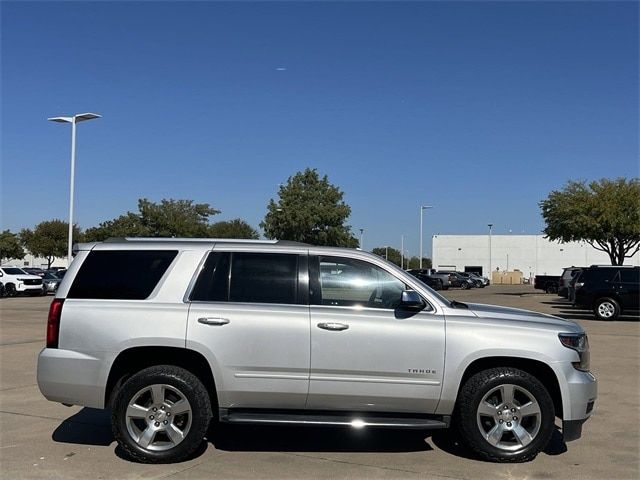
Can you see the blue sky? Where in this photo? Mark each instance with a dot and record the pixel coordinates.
(479, 109)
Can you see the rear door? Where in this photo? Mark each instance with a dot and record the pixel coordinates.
(249, 316)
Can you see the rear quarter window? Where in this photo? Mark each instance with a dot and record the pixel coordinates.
(121, 274)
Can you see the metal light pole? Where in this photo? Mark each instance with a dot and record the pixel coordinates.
(422, 209)
(386, 252)
(81, 117)
(402, 251)
(490, 225)
(361, 235)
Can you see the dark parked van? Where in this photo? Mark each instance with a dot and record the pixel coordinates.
(608, 290)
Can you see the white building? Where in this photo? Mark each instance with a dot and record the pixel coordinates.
(530, 254)
(31, 261)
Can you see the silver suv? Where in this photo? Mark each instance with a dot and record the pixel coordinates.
(172, 333)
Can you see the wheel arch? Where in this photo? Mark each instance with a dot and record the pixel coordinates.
(134, 359)
(543, 372)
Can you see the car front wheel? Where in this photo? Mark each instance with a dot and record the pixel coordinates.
(10, 290)
(505, 415)
(161, 415)
(606, 309)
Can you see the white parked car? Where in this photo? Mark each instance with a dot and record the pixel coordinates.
(16, 280)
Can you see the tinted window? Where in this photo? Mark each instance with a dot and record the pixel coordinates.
(213, 283)
(121, 274)
(630, 275)
(600, 274)
(263, 278)
(349, 282)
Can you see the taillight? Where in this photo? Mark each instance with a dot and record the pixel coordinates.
(53, 322)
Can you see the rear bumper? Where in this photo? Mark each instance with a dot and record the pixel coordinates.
(67, 376)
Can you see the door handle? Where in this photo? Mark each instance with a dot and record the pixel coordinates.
(213, 321)
(333, 326)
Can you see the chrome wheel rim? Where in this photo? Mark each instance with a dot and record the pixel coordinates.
(606, 309)
(158, 417)
(509, 417)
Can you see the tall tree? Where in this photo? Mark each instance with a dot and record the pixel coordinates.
(10, 246)
(309, 209)
(235, 228)
(414, 262)
(49, 239)
(169, 218)
(391, 254)
(603, 213)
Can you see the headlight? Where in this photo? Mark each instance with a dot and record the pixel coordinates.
(580, 343)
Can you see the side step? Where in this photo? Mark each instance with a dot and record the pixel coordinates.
(355, 420)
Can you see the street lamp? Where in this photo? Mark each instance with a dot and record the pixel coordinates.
(422, 209)
(81, 117)
(490, 225)
(361, 235)
(402, 251)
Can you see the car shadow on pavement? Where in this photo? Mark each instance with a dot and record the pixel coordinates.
(587, 315)
(90, 426)
(449, 441)
(246, 438)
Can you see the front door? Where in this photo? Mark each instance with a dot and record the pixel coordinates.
(250, 318)
(367, 354)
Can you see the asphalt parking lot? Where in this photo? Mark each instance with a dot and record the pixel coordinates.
(40, 439)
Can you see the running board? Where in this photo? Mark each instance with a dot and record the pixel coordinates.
(332, 419)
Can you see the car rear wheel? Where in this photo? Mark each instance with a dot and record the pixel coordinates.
(606, 309)
(505, 415)
(552, 289)
(465, 286)
(161, 415)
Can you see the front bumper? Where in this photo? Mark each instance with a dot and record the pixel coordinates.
(21, 287)
(578, 401)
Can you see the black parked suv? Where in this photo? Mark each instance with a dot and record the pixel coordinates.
(609, 291)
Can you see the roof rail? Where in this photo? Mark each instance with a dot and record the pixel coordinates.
(207, 240)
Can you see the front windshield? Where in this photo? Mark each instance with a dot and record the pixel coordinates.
(14, 271)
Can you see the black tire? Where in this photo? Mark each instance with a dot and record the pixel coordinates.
(606, 309)
(468, 421)
(10, 290)
(186, 384)
(552, 288)
(465, 286)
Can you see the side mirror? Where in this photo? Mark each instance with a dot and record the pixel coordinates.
(410, 300)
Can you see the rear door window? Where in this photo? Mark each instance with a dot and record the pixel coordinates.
(247, 277)
(630, 275)
(600, 274)
(121, 274)
(263, 278)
